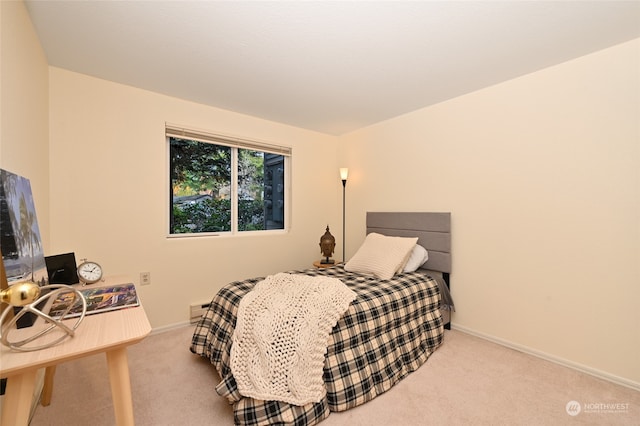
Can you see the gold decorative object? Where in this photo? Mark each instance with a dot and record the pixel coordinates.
(26, 294)
(20, 294)
(327, 245)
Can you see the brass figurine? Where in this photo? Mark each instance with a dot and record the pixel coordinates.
(327, 245)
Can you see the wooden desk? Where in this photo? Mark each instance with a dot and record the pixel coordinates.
(109, 332)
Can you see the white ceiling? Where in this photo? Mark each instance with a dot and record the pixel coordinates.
(327, 66)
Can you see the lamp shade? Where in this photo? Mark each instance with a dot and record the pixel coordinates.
(344, 173)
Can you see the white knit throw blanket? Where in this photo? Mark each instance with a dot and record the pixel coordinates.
(281, 336)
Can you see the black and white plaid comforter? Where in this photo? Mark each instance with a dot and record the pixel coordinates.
(388, 331)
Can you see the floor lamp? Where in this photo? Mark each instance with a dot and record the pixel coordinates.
(344, 172)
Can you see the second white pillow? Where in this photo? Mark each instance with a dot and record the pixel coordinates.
(419, 255)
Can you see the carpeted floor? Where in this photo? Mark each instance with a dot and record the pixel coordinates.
(468, 381)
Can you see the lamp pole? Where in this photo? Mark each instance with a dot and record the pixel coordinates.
(344, 173)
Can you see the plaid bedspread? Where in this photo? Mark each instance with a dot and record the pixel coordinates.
(389, 331)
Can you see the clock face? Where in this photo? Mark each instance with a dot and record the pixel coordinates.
(89, 272)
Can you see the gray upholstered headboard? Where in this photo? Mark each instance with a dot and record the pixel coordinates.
(432, 229)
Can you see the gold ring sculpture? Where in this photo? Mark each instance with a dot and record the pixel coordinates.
(27, 295)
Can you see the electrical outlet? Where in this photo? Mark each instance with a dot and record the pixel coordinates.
(145, 278)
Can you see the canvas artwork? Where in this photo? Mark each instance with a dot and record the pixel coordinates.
(20, 241)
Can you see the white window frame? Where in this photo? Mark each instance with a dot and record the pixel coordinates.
(172, 130)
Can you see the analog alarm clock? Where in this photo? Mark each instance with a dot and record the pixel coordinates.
(89, 272)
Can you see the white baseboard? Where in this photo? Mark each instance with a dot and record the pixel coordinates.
(170, 327)
(552, 358)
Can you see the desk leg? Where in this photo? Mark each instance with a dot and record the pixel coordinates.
(47, 390)
(120, 386)
(16, 407)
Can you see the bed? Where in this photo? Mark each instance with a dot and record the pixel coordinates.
(387, 332)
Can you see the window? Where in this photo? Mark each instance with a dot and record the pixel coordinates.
(221, 184)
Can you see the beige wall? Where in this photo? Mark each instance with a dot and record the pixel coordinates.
(109, 198)
(24, 108)
(541, 175)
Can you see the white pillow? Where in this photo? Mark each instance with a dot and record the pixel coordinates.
(381, 256)
(419, 255)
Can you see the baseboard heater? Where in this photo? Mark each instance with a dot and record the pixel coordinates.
(196, 310)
